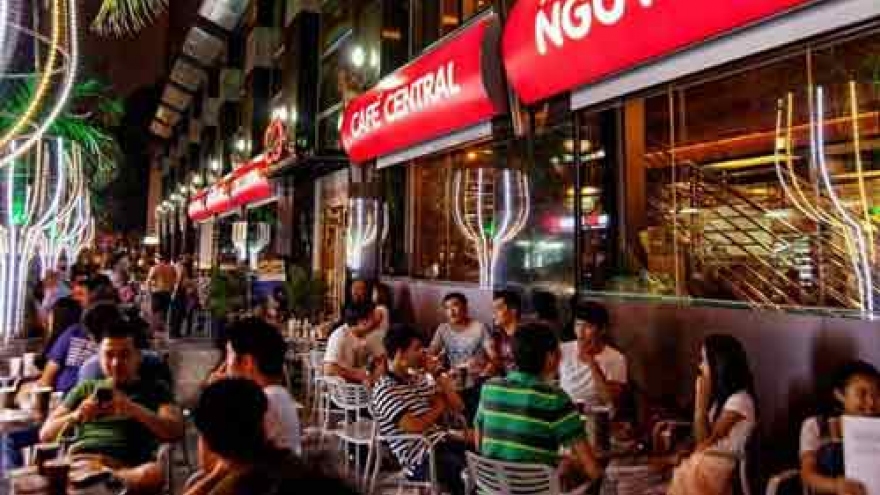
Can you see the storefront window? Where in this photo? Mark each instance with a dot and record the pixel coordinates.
(335, 22)
(757, 184)
(440, 249)
(395, 260)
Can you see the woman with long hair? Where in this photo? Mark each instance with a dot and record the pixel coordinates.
(725, 416)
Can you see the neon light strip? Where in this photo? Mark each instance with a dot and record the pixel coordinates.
(63, 97)
(857, 148)
(862, 259)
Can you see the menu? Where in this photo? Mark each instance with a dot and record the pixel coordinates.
(861, 451)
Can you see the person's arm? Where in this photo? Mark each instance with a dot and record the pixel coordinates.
(701, 410)
(50, 374)
(79, 407)
(416, 424)
(825, 484)
(609, 391)
(209, 482)
(720, 430)
(346, 373)
(586, 460)
(151, 277)
(450, 395)
(436, 346)
(166, 424)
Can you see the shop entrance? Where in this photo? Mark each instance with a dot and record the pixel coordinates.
(332, 251)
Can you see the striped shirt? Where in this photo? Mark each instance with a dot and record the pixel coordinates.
(521, 418)
(392, 399)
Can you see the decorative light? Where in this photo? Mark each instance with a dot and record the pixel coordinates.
(215, 165)
(374, 59)
(358, 56)
(478, 195)
(27, 118)
(151, 240)
(197, 180)
(363, 229)
(241, 145)
(294, 116)
(280, 113)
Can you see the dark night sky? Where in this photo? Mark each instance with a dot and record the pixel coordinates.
(136, 68)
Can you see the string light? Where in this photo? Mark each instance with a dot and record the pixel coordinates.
(67, 85)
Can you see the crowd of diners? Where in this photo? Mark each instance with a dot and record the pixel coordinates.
(517, 390)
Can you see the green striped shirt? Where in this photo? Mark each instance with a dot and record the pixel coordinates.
(521, 418)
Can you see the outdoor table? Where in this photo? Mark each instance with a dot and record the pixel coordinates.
(11, 421)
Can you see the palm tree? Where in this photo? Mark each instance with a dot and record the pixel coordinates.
(90, 113)
(125, 17)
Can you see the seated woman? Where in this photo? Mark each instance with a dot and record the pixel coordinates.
(724, 418)
(855, 391)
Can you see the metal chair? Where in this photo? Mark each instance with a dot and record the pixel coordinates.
(493, 477)
(398, 478)
(787, 482)
(355, 430)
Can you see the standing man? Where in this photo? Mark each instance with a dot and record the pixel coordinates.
(507, 312)
(161, 281)
(465, 341)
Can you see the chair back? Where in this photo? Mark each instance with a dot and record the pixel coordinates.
(316, 359)
(349, 396)
(493, 477)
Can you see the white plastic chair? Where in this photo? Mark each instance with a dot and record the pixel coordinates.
(355, 429)
(777, 482)
(398, 479)
(491, 477)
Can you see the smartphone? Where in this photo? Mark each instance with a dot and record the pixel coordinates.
(104, 396)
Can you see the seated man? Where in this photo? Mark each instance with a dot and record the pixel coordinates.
(234, 452)
(507, 313)
(255, 350)
(407, 405)
(152, 366)
(523, 418)
(465, 341)
(121, 420)
(348, 353)
(592, 372)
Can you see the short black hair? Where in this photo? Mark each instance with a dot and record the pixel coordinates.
(229, 417)
(260, 340)
(125, 329)
(399, 338)
(101, 318)
(532, 343)
(456, 296)
(593, 313)
(511, 300)
(356, 313)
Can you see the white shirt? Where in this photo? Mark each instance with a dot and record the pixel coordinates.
(347, 349)
(811, 436)
(576, 377)
(735, 441)
(282, 419)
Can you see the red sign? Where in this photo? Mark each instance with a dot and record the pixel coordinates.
(451, 87)
(197, 210)
(250, 184)
(218, 201)
(552, 46)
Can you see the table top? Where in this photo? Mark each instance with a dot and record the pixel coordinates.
(16, 419)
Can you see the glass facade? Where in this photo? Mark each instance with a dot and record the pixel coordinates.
(754, 184)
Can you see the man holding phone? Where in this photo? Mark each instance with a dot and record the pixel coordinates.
(120, 420)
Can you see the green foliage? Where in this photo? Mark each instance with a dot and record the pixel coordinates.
(227, 293)
(86, 120)
(304, 293)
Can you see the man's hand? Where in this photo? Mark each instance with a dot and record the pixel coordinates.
(122, 405)
(433, 364)
(89, 410)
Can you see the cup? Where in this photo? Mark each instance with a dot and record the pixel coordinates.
(29, 364)
(461, 375)
(57, 471)
(7, 398)
(45, 452)
(15, 367)
(41, 398)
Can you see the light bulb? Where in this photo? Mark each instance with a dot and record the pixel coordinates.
(358, 56)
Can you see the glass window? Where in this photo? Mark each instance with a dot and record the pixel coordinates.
(440, 248)
(331, 80)
(328, 130)
(756, 184)
(395, 258)
(335, 22)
